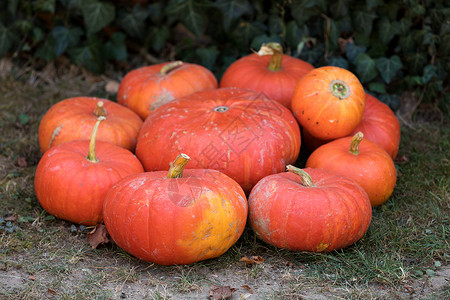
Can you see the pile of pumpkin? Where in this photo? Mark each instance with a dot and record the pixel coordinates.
(178, 165)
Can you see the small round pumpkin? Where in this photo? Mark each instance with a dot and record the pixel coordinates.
(145, 89)
(309, 210)
(73, 119)
(361, 160)
(269, 71)
(237, 132)
(329, 102)
(72, 179)
(380, 125)
(176, 217)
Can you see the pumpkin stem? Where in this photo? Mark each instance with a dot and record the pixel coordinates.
(177, 166)
(356, 140)
(91, 153)
(276, 51)
(169, 67)
(99, 110)
(306, 179)
(339, 89)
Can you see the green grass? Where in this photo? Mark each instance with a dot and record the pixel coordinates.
(406, 245)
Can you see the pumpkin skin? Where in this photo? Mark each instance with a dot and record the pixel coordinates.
(240, 134)
(73, 119)
(71, 187)
(367, 164)
(329, 102)
(145, 89)
(332, 214)
(261, 73)
(176, 220)
(380, 125)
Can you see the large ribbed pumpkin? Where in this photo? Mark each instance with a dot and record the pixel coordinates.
(269, 71)
(176, 217)
(329, 102)
(238, 132)
(145, 89)
(309, 210)
(380, 125)
(74, 118)
(361, 160)
(72, 179)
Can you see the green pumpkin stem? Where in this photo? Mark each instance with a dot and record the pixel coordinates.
(100, 110)
(276, 52)
(177, 166)
(169, 67)
(91, 153)
(339, 89)
(306, 179)
(354, 144)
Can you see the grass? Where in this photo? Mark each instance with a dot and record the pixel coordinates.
(406, 246)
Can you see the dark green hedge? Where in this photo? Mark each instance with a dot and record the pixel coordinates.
(392, 46)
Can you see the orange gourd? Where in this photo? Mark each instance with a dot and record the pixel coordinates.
(329, 102)
(361, 160)
(176, 217)
(309, 210)
(145, 89)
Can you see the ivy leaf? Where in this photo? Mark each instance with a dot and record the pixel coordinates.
(386, 31)
(294, 34)
(88, 55)
(314, 54)
(6, 40)
(429, 72)
(64, 37)
(363, 21)
(208, 56)
(352, 51)
(45, 51)
(338, 62)
(415, 62)
(44, 5)
(115, 48)
(232, 10)
(377, 87)
(133, 23)
(97, 15)
(370, 4)
(303, 10)
(158, 37)
(264, 38)
(389, 67)
(191, 12)
(365, 68)
(245, 32)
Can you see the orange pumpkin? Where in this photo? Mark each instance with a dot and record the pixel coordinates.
(72, 179)
(176, 217)
(361, 160)
(380, 125)
(269, 71)
(329, 102)
(309, 210)
(145, 89)
(237, 132)
(73, 119)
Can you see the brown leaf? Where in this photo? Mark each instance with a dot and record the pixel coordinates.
(51, 291)
(401, 159)
(220, 292)
(252, 260)
(31, 277)
(248, 288)
(22, 162)
(11, 218)
(99, 235)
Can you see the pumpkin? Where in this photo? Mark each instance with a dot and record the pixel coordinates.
(176, 216)
(72, 179)
(269, 71)
(329, 102)
(73, 119)
(309, 210)
(145, 89)
(380, 125)
(237, 132)
(361, 160)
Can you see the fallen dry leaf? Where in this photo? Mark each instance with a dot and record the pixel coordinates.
(51, 291)
(11, 218)
(401, 159)
(31, 277)
(252, 260)
(220, 292)
(22, 162)
(248, 288)
(99, 235)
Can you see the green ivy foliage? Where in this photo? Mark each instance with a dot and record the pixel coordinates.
(392, 46)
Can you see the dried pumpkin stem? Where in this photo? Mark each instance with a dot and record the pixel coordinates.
(177, 166)
(306, 179)
(356, 140)
(91, 153)
(100, 110)
(169, 67)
